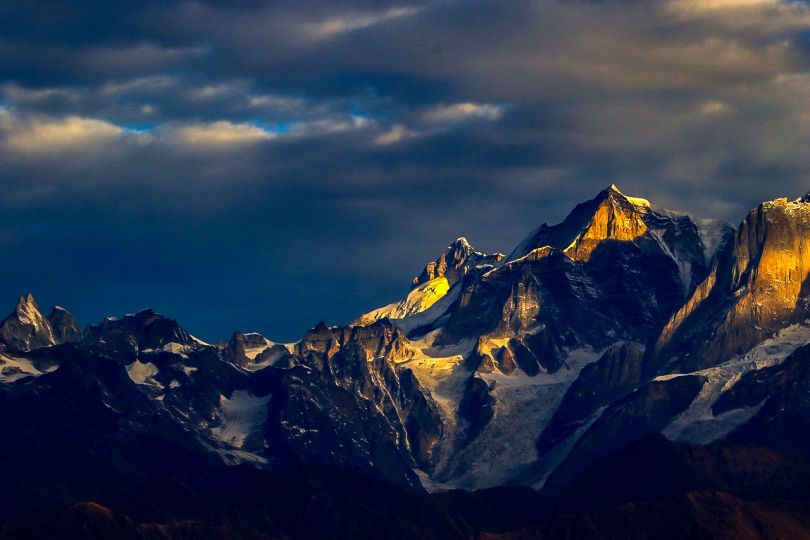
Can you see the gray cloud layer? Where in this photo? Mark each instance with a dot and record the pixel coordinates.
(268, 165)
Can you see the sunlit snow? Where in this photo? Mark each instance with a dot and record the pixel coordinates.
(12, 369)
(143, 373)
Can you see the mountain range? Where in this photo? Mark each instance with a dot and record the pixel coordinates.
(631, 372)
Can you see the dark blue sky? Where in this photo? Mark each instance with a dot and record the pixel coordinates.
(266, 165)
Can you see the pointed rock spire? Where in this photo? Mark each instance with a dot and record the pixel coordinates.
(26, 328)
(611, 215)
(613, 191)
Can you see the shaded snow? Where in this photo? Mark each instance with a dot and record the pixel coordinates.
(553, 458)
(506, 446)
(712, 233)
(698, 424)
(684, 266)
(241, 416)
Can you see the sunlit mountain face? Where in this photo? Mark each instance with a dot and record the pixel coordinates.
(373, 269)
(631, 371)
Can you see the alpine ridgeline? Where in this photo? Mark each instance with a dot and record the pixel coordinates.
(624, 322)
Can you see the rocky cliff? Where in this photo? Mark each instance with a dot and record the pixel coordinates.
(625, 323)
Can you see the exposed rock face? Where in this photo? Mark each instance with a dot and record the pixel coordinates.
(607, 279)
(64, 325)
(780, 395)
(26, 328)
(614, 217)
(344, 401)
(617, 373)
(757, 386)
(623, 321)
(244, 348)
(609, 216)
(758, 286)
(457, 260)
(146, 330)
(476, 407)
(647, 410)
(614, 268)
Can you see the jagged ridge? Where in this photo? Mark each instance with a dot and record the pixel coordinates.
(623, 320)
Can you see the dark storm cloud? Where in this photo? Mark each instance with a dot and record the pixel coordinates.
(264, 165)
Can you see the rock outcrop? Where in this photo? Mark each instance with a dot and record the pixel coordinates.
(65, 327)
(758, 286)
(456, 261)
(624, 320)
(26, 328)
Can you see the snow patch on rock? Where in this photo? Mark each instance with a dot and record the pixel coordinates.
(506, 446)
(418, 300)
(143, 373)
(12, 369)
(698, 424)
(431, 315)
(242, 416)
(713, 233)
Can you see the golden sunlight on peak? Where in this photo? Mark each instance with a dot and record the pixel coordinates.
(609, 222)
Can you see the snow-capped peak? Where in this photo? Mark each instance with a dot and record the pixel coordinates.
(461, 241)
(611, 215)
(637, 201)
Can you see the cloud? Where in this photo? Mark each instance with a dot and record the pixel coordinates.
(220, 133)
(151, 85)
(319, 148)
(462, 111)
(40, 136)
(395, 134)
(356, 21)
(713, 107)
(726, 5)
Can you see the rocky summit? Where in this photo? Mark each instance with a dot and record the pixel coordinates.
(631, 372)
